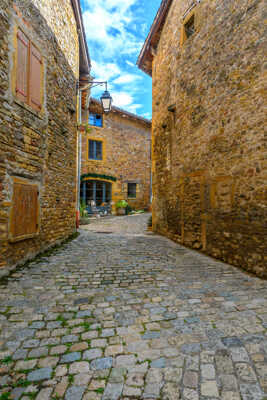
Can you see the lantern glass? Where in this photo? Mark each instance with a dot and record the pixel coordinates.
(106, 101)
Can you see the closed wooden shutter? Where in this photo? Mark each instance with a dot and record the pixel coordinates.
(98, 120)
(35, 78)
(22, 66)
(25, 210)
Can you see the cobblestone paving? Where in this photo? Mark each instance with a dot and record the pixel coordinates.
(132, 316)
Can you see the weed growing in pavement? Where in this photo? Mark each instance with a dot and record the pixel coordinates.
(5, 396)
(100, 390)
(6, 360)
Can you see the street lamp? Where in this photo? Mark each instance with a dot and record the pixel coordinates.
(106, 99)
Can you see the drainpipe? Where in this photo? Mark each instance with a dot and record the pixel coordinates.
(79, 163)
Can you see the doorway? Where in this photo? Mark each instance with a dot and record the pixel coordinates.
(96, 194)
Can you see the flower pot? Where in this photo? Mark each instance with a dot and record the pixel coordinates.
(120, 211)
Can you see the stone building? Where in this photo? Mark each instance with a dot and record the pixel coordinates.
(116, 158)
(206, 62)
(43, 56)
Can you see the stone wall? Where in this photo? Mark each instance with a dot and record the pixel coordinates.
(208, 149)
(38, 146)
(61, 20)
(127, 143)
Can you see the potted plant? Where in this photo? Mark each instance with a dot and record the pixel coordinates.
(84, 220)
(121, 207)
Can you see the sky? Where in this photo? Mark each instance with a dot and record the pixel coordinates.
(116, 31)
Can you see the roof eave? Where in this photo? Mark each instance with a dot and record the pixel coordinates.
(124, 112)
(145, 58)
(85, 61)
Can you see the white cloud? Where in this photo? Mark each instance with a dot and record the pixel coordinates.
(126, 101)
(106, 23)
(113, 33)
(131, 64)
(122, 99)
(147, 115)
(127, 78)
(105, 71)
(121, 5)
(134, 107)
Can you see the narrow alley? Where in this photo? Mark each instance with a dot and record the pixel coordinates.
(120, 313)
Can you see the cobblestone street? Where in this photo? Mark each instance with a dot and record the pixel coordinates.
(120, 313)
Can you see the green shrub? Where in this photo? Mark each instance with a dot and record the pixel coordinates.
(83, 211)
(5, 396)
(121, 204)
(128, 209)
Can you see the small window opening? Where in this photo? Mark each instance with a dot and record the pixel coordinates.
(95, 120)
(190, 27)
(132, 190)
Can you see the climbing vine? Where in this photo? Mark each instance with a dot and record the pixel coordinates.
(91, 175)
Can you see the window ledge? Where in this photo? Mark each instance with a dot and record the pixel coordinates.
(38, 114)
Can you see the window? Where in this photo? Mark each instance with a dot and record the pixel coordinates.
(28, 72)
(189, 27)
(95, 120)
(96, 191)
(25, 210)
(95, 150)
(132, 190)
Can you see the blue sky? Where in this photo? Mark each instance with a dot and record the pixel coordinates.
(116, 31)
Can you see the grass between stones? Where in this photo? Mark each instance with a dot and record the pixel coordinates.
(86, 325)
(20, 383)
(5, 396)
(23, 383)
(100, 390)
(6, 360)
(63, 321)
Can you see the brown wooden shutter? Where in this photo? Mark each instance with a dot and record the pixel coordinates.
(35, 79)
(25, 210)
(22, 66)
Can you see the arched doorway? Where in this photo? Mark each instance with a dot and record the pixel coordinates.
(96, 194)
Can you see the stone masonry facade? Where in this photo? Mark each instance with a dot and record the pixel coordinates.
(208, 118)
(126, 141)
(38, 147)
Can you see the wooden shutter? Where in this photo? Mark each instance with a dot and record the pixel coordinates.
(92, 119)
(98, 120)
(35, 79)
(22, 66)
(25, 210)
